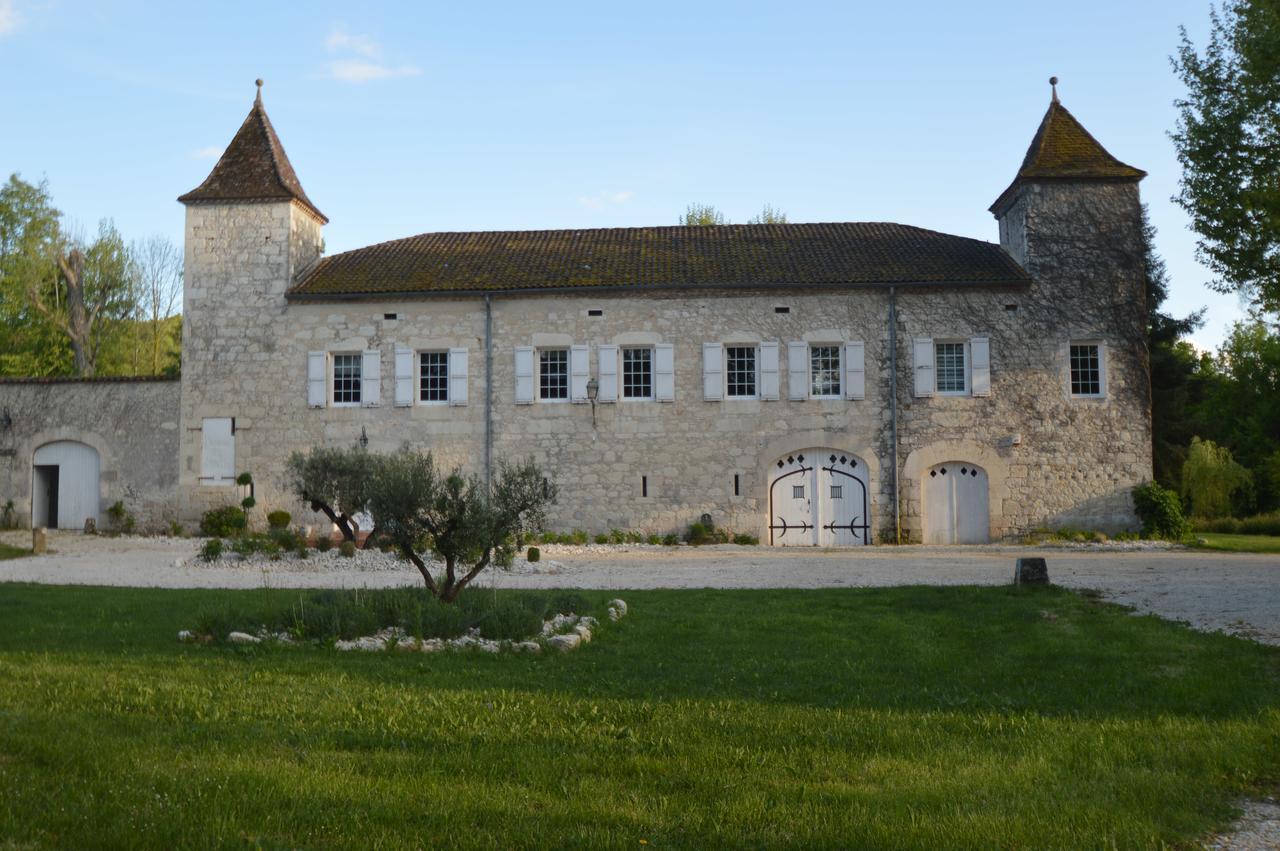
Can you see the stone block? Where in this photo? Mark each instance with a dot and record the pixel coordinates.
(39, 540)
(1031, 571)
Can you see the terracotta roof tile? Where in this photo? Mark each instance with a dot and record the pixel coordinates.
(845, 253)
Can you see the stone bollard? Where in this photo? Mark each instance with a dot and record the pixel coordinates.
(90, 526)
(1031, 571)
(39, 540)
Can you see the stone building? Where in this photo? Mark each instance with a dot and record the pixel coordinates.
(814, 384)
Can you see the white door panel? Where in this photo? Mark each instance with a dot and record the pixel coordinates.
(77, 481)
(818, 497)
(955, 504)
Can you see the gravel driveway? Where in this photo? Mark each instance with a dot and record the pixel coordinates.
(1237, 593)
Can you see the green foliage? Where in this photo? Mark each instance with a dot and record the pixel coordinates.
(212, 550)
(244, 480)
(279, 519)
(671, 539)
(285, 538)
(700, 534)
(534, 555)
(347, 549)
(769, 216)
(8, 516)
(1228, 143)
(601, 538)
(1211, 479)
(324, 543)
(1259, 524)
(176, 530)
(225, 522)
(1160, 511)
(121, 521)
(334, 481)
(702, 214)
(745, 539)
(567, 603)
(248, 502)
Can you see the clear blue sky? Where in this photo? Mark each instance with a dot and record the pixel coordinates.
(405, 118)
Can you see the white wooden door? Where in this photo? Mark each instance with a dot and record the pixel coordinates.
(77, 481)
(818, 497)
(842, 500)
(955, 504)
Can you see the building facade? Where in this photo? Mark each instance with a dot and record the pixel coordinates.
(814, 384)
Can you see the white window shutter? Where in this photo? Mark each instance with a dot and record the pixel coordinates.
(217, 450)
(579, 373)
(607, 367)
(404, 377)
(923, 347)
(797, 370)
(980, 357)
(664, 372)
(769, 371)
(524, 375)
(458, 366)
(316, 363)
(712, 371)
(371, 380)
(855, 371)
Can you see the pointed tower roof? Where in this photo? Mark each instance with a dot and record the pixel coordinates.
(254, 167)
(1063, 150)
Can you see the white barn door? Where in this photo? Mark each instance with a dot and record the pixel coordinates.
(68, 471)
(955, 504)
(818, 497)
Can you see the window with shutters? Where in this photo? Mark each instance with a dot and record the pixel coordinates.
(553, 374)
(637, 373)
(1086, 369)
(740, 372)
(346, 378)
(824, 372)
(433, 377)
(951, 371)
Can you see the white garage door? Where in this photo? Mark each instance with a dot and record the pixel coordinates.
(64, 485)
(955, 504)
(818, 498)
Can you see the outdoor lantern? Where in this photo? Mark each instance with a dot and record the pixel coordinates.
(364, 438)
(593, 393)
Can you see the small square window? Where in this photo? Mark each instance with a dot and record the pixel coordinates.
(637, 373)
(346, 379)
(1086, 369)
(740, 372)
(433, 376)
(837, 491)
(824, 372)
(553, 374)
(951, 371)
(797, 491)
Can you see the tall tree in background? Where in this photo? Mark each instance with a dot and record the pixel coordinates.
(158, 265)
(769, 216)
(30, 236)
(1228, 141)
(703, 214)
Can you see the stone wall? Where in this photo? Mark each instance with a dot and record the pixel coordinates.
(131, 423)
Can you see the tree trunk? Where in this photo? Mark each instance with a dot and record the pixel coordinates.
(338, 520)
(422, 568)
(78, 321)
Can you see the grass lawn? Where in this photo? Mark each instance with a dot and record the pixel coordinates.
(8, 551)
(903, 717)
(1238, 543)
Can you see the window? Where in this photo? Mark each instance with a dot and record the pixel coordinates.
(218, 450)
(637, 373)
(824, 372)
(1086, 369)
(797, 491)
(553, 374)
(433, 376)
(346, 379)
(740, 371)
(837, 491)
(949, 363)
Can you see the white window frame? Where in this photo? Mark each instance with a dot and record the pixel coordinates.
(729, 397)
(839, 347)
(332, 375)
(968, 367)
(1102, 369)
(537, 375)
(622, 374)
(417, 377)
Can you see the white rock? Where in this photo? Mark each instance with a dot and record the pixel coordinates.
(186, 635)
(243, 638)
(526, 647)
(615, 615)
(621, 606)
(407, 643)
(431, 645)
(589, 622)
(559, 623)
(564, 643)
(367, 643)
(582, 631)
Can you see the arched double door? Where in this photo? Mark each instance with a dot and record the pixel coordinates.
(819, 498)
(64, 485)
(955, 504)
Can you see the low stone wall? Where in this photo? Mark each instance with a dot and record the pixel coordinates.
(132, 423)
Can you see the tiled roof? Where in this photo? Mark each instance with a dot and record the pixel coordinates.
(254, 167)
(843, 253)
(1063, 150)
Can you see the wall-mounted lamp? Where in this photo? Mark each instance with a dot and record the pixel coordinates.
(593, 393)
(364, 438)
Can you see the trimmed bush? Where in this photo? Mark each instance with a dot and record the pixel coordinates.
(285, 538)
(697, 535)
(323, 544)
(212, 550)
(671, 539)
(225, 522)
(534, 555)
(1160, 511)
(347, 549)
(279, 519)
(602, 539)
(744, 539)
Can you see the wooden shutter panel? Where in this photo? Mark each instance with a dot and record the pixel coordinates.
(579, 372)
(980, 358)
(316, 395)
(607, 360)
(712, 371)
(458, 366)
(855, 374)
(217, 450)
(923, 362)
(769, 371)
(524, 375)
(664, 372)
(404, 377)
(371, 379)
(797, 371)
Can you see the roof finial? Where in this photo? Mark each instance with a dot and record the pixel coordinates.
(258, 83)
(1053, 81)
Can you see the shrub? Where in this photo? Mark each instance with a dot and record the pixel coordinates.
(577, 536)
(697, 534)
(1262, 524)
(534, 554)
(121, 520)
(176, 530)
(225, 522)
(8, 516)
(1160, 512)
(617, 536)
(285, 538)
(324, 543)
(654, 540)
(671, 539)
(244, 480)
(744, 539)
(347, 549)
(279, 519)
(212, 550)
(602, 539)
(301, 550)
(247, 545)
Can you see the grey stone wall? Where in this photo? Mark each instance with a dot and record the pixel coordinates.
(132, 424)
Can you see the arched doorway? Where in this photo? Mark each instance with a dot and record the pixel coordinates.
(819, 498)
(64, 485)
(955, 504)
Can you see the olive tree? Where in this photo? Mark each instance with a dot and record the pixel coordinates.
(335, 482)
(454, 516)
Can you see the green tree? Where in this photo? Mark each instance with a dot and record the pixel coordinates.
(30, 238)
(336, 482)
(1212, 481)
(1228, 142)
(769, 216)
(703, 214)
